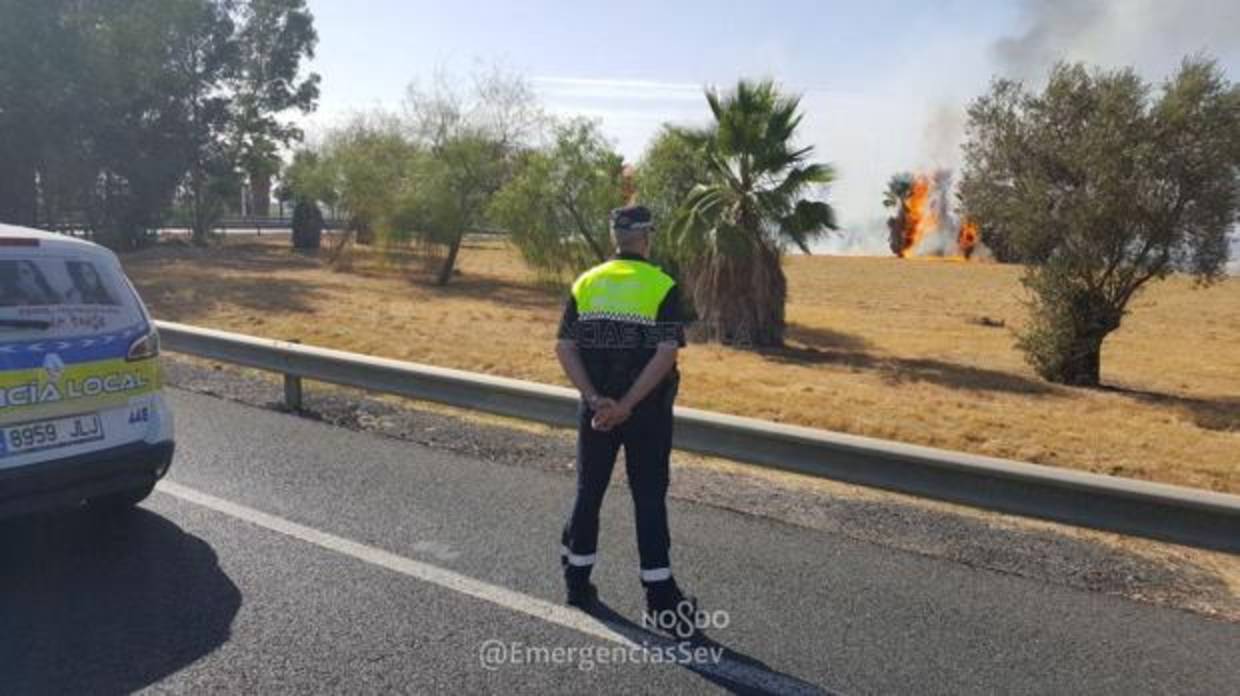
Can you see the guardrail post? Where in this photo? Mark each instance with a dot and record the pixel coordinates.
(292, 392)
(292, 389)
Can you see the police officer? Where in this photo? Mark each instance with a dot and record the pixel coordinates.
(617, 343)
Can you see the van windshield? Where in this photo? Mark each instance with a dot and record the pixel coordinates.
(62, 295)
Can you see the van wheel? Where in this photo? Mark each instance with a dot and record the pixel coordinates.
(122, 500)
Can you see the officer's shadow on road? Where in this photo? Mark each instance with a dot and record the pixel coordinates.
(735, 672)
(95, 604)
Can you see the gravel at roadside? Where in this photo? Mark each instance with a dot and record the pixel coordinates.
(1198, 581)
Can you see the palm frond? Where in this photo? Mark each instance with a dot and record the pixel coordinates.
(713, 100)
(700, 206)
(898, 189)
(808, 220)
(723, 169)
(777, 159)
(799, 178)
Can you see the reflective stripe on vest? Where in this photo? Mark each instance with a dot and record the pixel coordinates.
(622, 290)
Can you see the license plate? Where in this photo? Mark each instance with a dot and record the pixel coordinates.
(59, 432)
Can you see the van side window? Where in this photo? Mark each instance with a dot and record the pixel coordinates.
(23, 282)
(88, 287)
(54, 281)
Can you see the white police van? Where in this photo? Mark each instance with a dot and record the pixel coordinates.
(82, 416)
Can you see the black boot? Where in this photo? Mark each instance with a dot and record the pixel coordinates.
(581, 593)
(669, 610)
(583, 597)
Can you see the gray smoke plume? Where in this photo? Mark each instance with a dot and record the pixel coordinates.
(941, 241)
(943, 134)
(1150, 35)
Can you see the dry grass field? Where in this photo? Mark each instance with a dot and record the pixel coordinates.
(906, 350)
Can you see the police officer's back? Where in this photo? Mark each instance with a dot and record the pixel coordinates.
(618, 343)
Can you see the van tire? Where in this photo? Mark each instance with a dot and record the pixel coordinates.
(121, 500)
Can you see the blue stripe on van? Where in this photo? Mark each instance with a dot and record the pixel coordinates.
(75, 349)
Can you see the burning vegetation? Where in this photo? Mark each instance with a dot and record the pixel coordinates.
(922, 223)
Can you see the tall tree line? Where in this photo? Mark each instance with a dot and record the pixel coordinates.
(111, 111)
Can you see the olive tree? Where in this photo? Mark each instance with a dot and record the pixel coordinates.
(1103, 184)
(471, 140)
(361, 170)
(667, 173)
(555, 207)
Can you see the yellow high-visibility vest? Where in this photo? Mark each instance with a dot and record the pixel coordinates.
(622, 290)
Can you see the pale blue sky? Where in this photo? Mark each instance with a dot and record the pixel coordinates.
(884, 82)
(367, 48)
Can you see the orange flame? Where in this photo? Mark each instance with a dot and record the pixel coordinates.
(919, 218)
(968, 238)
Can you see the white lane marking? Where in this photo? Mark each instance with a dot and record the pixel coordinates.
(737, 672)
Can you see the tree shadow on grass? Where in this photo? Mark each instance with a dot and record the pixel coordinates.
(819, 339)
(827, 347)
(491, 289)
(245, 257)
(244, 274)
(191, 295)
(1222, 414)
(957, 376)
(106, 604)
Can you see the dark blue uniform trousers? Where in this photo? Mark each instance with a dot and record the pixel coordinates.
(647, 440)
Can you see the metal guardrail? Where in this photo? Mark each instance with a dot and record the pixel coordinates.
(1170, 513)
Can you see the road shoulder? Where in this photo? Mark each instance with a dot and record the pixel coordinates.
(1167, 575)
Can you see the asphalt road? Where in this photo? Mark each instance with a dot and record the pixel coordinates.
(287, 556)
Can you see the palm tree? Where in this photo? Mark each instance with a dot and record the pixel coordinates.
(731, 232)
(899, 187)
